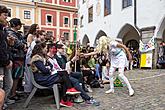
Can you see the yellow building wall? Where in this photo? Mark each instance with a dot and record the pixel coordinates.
(21, 14)
(17, 10)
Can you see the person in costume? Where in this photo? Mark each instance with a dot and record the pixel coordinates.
(118, 54)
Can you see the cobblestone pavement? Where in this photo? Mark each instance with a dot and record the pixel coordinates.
(149, 95)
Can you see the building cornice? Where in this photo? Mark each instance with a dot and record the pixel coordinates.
(22, 3)
(56, 7)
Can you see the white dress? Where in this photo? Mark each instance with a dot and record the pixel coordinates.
(117, 56)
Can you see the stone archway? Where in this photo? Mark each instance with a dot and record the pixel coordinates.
(161, 30)
(128, 33)
(85, 40)
(100, 33)
(163, 35)
(131, 38)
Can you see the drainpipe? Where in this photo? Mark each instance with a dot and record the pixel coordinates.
(135, 17)
(135, 14)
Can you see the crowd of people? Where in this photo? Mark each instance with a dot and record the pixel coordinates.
(77, 70)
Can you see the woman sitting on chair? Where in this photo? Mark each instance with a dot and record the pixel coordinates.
(46, 76)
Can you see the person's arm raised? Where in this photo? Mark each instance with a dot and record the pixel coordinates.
(91, 53)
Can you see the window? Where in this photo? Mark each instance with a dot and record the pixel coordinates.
(75, 22)
(81, 21)
(67, 0)
(66, 35)
(9, 13)
(83, 1)
(49, 19)
(126, 3)
(107, 7)
(66, 20)
(26, 14)
(50, 33)
(90, 14)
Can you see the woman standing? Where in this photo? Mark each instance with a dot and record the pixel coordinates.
(118, 58)
(31, 42)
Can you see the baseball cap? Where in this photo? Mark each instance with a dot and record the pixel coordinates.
(15, 22)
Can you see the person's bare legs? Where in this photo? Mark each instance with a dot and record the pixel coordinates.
(2, 97)
(14, 88)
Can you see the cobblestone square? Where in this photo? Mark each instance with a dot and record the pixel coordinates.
(149, 95)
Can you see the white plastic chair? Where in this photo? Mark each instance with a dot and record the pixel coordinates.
(37, 86)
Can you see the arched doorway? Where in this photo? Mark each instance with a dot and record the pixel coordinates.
(128, 32)
(132, 44)
(85, 40)
(131, 38)
(100, 33)
(161, 29)
(163, 35)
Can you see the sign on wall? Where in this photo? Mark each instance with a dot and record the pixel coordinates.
(146, 60)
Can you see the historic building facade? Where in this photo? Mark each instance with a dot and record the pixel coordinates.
(23, 9)
(58, 17)
(131, 20)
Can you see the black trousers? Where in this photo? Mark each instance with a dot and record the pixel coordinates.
(89, 74)
(65, 83)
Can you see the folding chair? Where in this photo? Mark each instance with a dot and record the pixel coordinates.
(37, 86)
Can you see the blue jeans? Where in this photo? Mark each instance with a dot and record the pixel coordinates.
(76, 78)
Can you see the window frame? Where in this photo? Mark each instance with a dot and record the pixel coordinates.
(126, 3)
(67, 33)
(47, 18)
(68, 1)
(47, 31)
(64, 20)
(81, 21)
(90, 20)
(10, 12)
(74, 21)
(27, 15)
(107, 13)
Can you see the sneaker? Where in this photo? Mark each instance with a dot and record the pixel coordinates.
(66, 104)
(89, 89)
(78, 100)
(93, 102)
(72, 91)
(110, 91)
(131, 92)
(9, 101)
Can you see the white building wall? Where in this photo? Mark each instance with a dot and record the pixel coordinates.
(149, 13)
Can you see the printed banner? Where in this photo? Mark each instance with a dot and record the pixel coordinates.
(146, 60)
(147, 47)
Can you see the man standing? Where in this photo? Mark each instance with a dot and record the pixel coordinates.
(5, 62)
